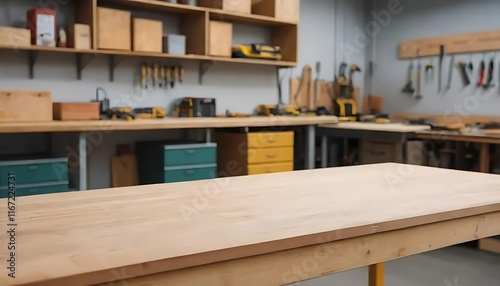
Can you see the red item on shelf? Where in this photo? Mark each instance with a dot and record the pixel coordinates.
(42, 23)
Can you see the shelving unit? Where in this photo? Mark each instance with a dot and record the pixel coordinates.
(193, 24)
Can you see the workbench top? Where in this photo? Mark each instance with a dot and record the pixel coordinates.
(392, 127)
(485, 136)
(89, 237)
(167, 123)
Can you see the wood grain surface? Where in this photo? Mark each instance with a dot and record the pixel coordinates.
(88, 237)
(168, 123)
(392, 127)
(481, 137)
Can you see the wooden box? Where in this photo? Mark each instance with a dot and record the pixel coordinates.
(147, 35)
(15, 37)
(25, 106)
(114, 29)
(239, 6)
(221, 39)
(283, 10)
(76, 111)
(79, 37)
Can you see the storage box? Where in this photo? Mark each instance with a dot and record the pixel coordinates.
(283, 10)
(174, 44)
(114, 29)
(15, 37)
(376, 152)
(25, 106)
(148, 35)
(79, 37)
(239, 6)
(76, 111)
(42, 23)
(221, 38)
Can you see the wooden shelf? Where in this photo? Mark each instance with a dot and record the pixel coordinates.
(221, 15)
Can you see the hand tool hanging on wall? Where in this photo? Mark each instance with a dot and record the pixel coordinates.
(173, 78)
(463, 72)
(408, 88)
(471, 64)
(342, 73)
(149, 75)
(419, 78)
(482, 73)
(441, 57)
(429, 71)
(168, 76)
(161, 81)
(144, 80)
(156, 75)
(450, 73)
(181, 74)
(354, 69)
(491, 69)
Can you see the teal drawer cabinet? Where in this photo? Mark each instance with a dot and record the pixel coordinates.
(34, 171)
(36, 189)
(170, 162)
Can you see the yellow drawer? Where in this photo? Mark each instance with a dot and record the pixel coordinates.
(270, 155)
(256, 169)
(270, 139)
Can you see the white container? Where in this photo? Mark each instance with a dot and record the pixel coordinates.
(174, 44)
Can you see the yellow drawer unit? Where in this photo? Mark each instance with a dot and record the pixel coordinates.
(256, 169)
(251, 153)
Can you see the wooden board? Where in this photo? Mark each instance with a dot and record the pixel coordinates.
(114, 29)
(25, 106)
(87, 14)
(124, 172)
(195, 27)
(392, 127)
(454, 44)
(147, 35)
(76, 111)
(240, 217)
(490, 244)
(220, 39)
(458, 137)
(443, 120)
(164, 124)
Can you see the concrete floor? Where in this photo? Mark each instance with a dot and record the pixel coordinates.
(455, 266)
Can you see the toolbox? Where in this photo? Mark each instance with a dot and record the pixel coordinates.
(34, 177)
(180, 161)
(197, 107)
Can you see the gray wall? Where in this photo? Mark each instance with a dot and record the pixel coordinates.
(430, 18)
(239, 88)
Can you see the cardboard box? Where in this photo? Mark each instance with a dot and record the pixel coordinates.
(25, 106)
(79, 37)
(283, 10)
(114, 29)
(42, 23)
(238, 6)
(221, 39)
(174, 44)
(15, 37)
(76, 111)
(148, 35)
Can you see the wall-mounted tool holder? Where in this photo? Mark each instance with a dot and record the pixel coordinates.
(455, 44)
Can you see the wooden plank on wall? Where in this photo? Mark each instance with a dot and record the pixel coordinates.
(454, 44)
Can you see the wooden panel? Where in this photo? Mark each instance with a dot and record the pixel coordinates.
(448, 119)
(87, 14)
(79, 37)
(114, 29)
(287, 10)
(264, 7)
(220, 38)
(147, 35)
(393, 127)
(25, 106)
(256, 169)
(490, 244)
(15, 37)
(124, 172)
(243, 221)
(76, 111)
(270, 139)
(270, 155)
(455, 44)
(238, 6)
(232, 157)
(194, 27)
(287, 38)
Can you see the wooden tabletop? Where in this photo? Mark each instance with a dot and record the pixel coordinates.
(490, 137)
(392, 127)
(167, 123)
(86, 237)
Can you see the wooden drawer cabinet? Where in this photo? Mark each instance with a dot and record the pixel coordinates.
(34, 171)
(170, 162)
(254, 153)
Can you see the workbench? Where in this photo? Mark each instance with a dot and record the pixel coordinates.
(394, 132)
(485, 140)
(87, 129)
(228, 231)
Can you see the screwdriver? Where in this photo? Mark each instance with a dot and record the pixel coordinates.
(181, 74)
(168, 76)
(144, 84)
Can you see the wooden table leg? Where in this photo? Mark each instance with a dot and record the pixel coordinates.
(484, 158)
(376, 275)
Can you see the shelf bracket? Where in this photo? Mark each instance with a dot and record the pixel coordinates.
(204, 67)
(32, 56)
(80, 64)
(112, 64)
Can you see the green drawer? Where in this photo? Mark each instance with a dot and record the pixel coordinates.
(195, 154)
(34, 171)
(192, 173)
(40, 189)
